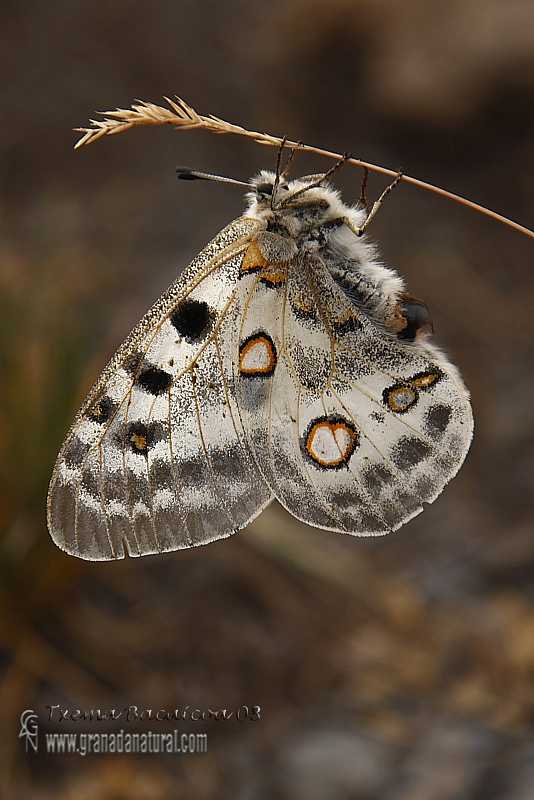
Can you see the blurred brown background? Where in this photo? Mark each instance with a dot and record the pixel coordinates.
(392, 669)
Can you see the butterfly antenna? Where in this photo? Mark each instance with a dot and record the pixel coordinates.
(285, 173)
(187, 174)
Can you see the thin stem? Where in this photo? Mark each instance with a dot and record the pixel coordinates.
(184, 117)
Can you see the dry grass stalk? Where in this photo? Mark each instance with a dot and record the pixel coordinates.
(183, 117)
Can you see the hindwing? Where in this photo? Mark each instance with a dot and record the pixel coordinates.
(352, 429)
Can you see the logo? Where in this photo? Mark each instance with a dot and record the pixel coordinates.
(29, 729)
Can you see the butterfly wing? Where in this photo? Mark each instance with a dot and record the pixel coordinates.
(352, 428)
(157, 458)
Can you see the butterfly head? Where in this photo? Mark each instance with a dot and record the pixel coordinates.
(310, 201)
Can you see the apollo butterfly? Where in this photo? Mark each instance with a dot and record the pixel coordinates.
(285, 362)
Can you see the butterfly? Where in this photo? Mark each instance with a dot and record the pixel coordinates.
(285, 362)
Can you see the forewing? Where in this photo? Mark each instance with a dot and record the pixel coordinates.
(352, 429)
(157, 458)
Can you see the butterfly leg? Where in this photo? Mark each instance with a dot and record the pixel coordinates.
(363, 191)
(371, 214)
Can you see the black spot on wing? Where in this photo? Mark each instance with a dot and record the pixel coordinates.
(270, 283)
(305, 313)
(438, 417)
(102, 410)
(349, 325)
(153, 380)
(140, 437)
(192, 319)
(137, 438)
(375, 477)
(409, 451)
(132, 363)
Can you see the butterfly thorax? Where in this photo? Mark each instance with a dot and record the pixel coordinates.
(313, 230)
